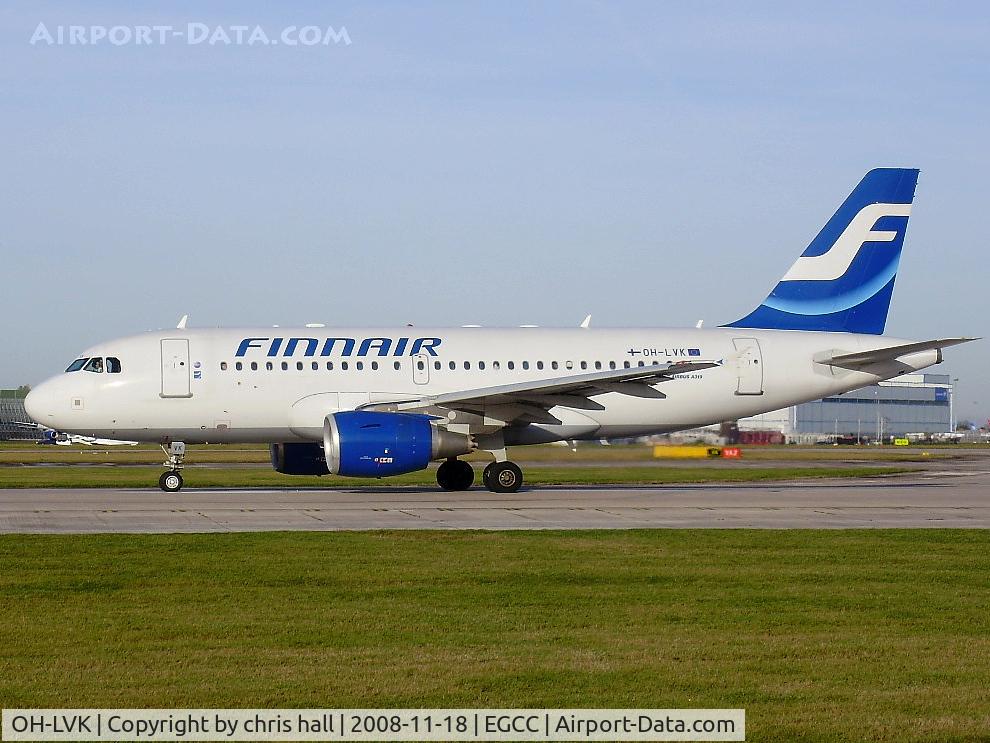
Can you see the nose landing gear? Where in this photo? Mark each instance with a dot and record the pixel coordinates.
(171, 481)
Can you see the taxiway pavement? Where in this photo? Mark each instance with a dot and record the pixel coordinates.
(931, 499)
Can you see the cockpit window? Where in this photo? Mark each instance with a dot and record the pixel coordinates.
(94, 365)
(76, 365)
(113, 365)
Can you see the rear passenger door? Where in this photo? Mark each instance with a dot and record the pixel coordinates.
(749, 365)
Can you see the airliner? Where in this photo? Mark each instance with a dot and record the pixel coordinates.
(371, 402)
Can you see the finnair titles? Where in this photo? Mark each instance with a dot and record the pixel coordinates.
(381, 402)
(343, 346)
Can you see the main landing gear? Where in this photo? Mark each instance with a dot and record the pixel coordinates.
(502, 477)
(171, 481)
(455, 475)
(499, 477)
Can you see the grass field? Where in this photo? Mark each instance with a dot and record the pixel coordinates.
(820, 635)
(236, 477)
(28, 453)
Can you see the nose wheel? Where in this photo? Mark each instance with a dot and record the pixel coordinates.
(171, 481)
(502, 477)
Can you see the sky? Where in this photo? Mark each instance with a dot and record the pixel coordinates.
(652, 164)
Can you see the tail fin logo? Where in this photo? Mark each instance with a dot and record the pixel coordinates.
(834, 263)
(844, 279)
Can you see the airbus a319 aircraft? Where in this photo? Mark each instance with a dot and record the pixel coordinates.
(379, 402)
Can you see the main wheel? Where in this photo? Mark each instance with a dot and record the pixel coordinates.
(455, 475)
(170, 482)
(503, 477)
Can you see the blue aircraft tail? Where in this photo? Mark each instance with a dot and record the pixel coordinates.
(844, 279)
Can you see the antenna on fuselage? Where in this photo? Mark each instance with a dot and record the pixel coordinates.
(182, 322)
(586, 322)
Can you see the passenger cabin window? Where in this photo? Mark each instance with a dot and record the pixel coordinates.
(76, 365)
(239, 366)
(223, 366)
(113, 365)
(94, 365)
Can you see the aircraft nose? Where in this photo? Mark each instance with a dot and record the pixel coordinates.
(39, 404)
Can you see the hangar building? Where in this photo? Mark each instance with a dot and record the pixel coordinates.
(913, 403)
(11, 410)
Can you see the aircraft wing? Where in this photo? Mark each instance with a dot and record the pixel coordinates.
(891, 353)
(529, 401)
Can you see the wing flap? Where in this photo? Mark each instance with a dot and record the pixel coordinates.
(573, 391)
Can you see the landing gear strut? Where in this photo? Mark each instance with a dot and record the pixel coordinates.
(171, 481)
(502, 477)
(455, 475)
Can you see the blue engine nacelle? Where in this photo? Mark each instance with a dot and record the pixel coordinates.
(361, 443)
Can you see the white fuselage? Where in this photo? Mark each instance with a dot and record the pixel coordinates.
(283, 391)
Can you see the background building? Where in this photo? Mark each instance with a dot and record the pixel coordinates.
(913, 403)
(11, 410)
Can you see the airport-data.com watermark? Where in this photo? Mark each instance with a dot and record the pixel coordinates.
(194, 33)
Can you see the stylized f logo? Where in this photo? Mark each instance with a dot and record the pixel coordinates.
(833, 264)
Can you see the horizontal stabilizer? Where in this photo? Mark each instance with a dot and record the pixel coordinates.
(890, 353)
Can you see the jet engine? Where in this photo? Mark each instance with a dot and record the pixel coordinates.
(299, 459)
(361, 443)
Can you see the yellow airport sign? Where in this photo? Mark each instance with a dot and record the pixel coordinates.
(686, 452)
